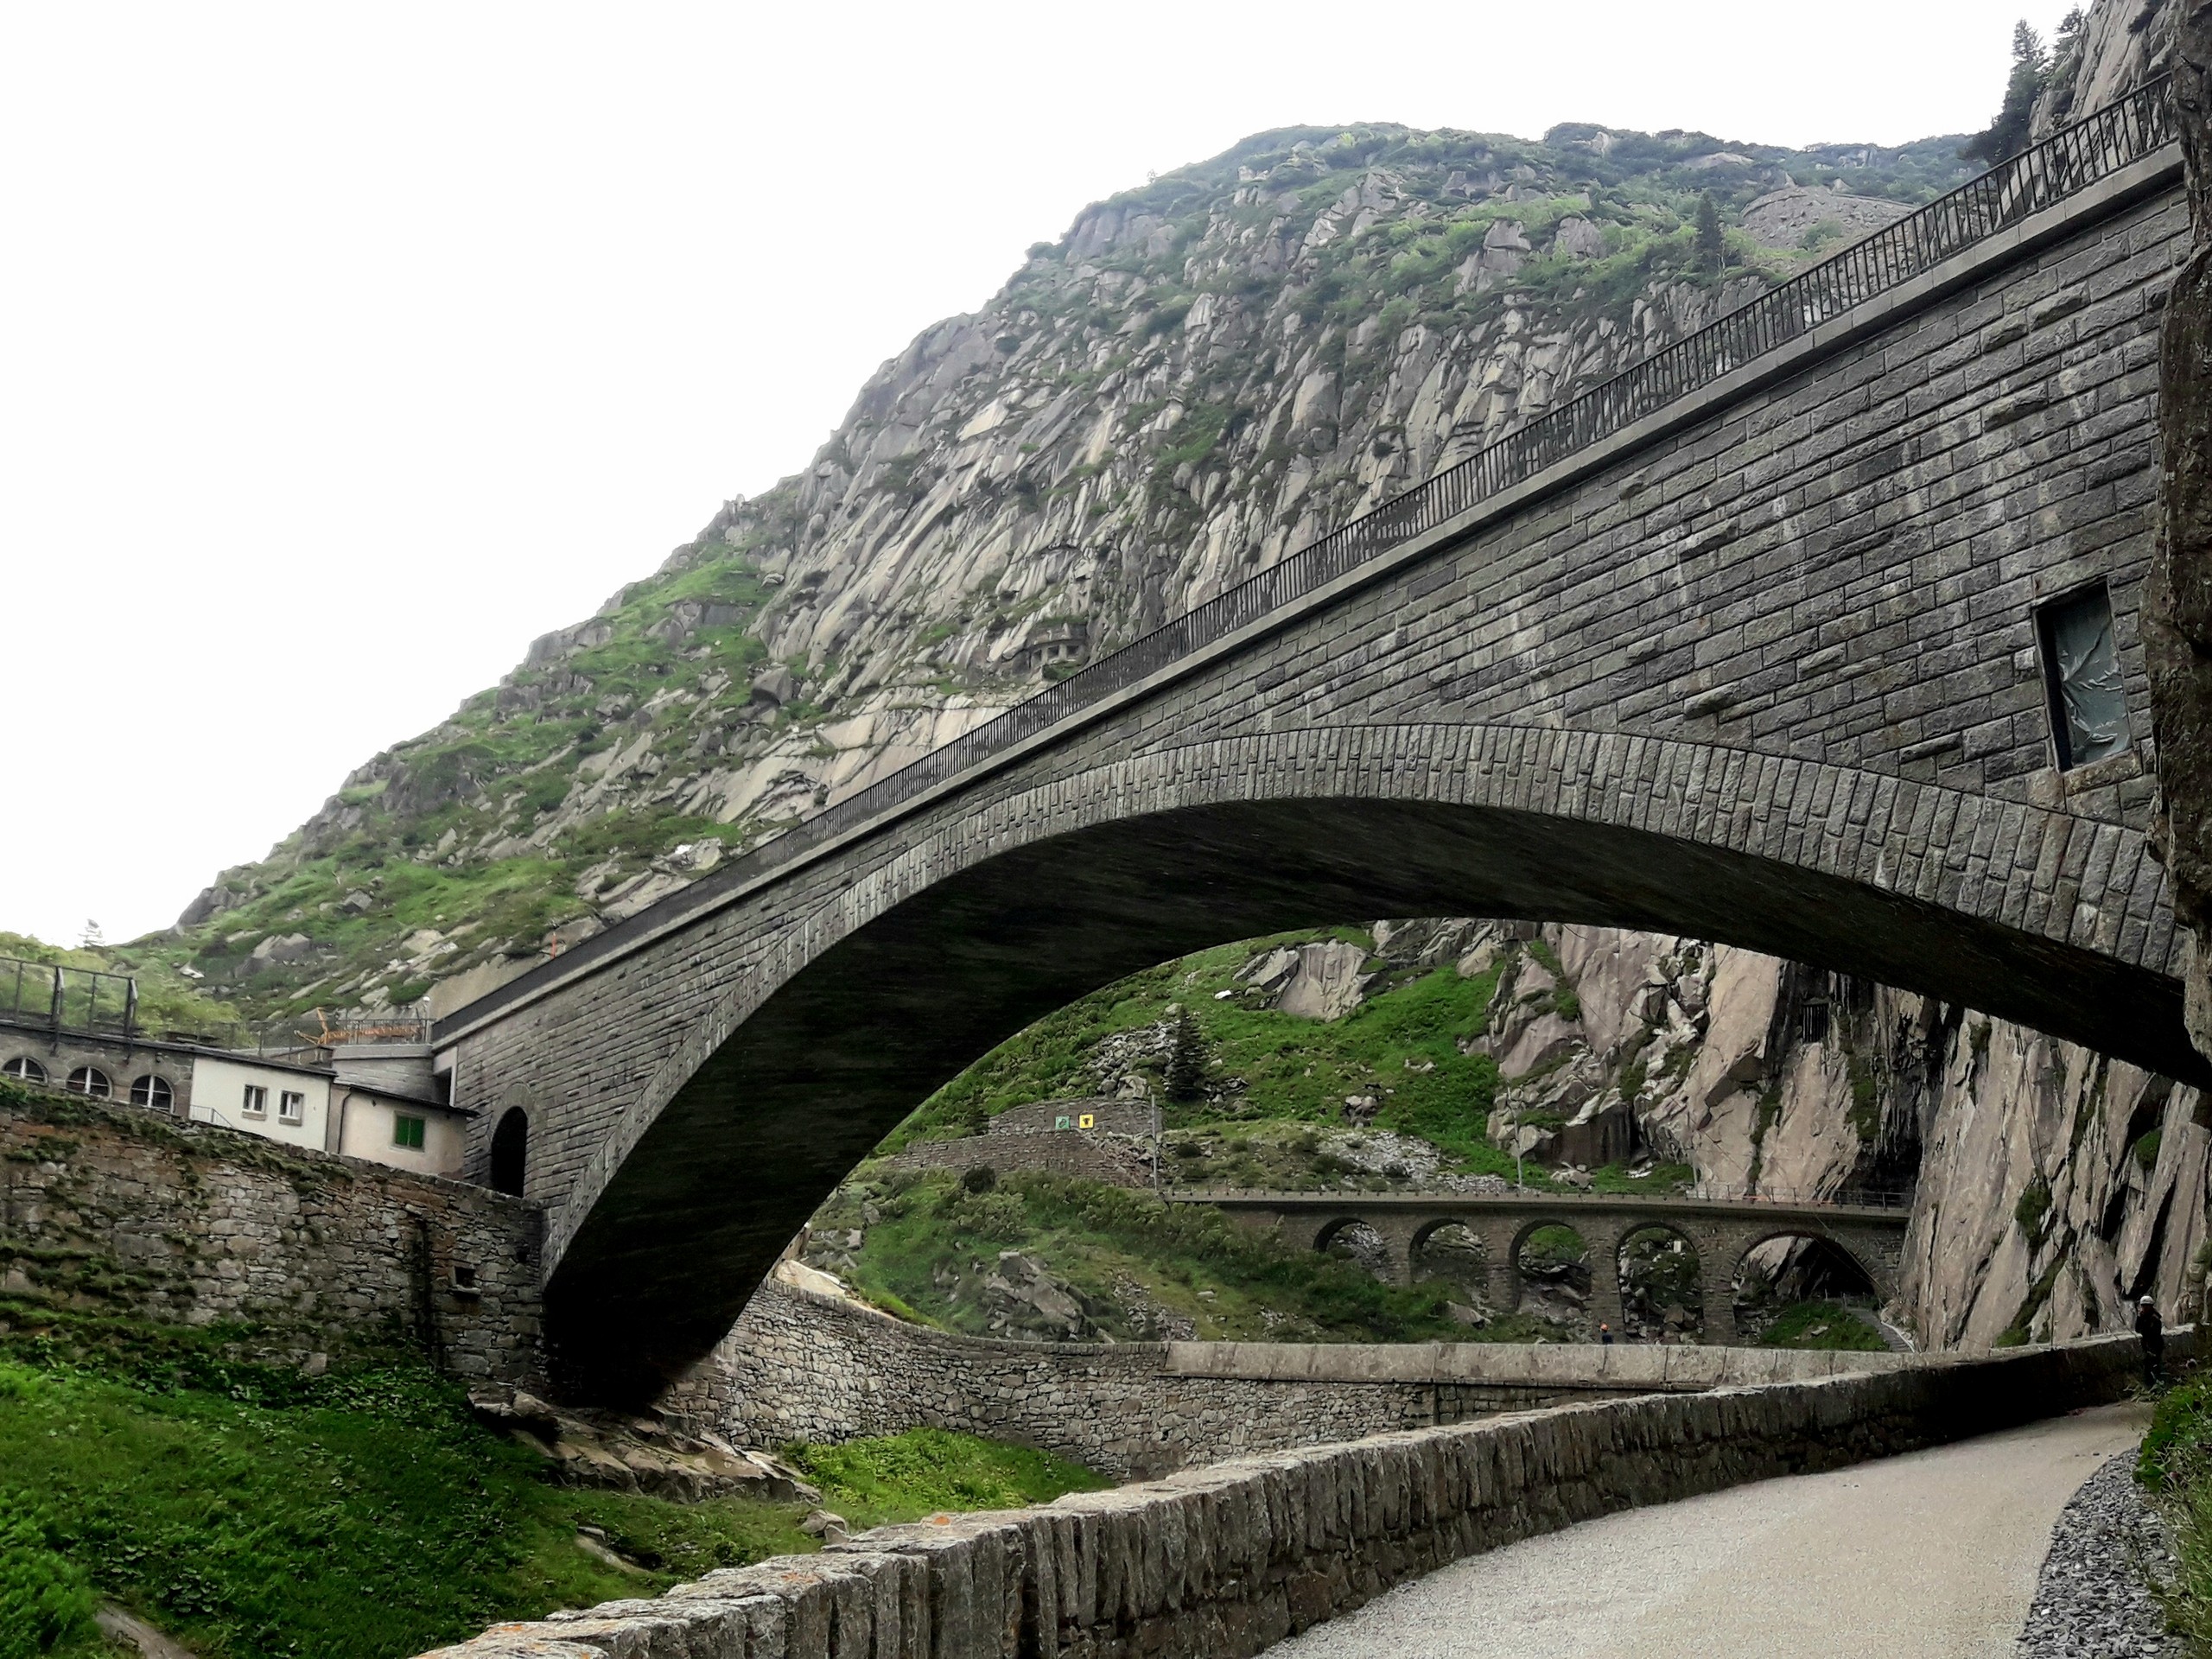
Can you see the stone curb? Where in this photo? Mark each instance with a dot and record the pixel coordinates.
(1228, 1560)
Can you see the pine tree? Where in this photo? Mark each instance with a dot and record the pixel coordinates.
(2008, 134)
(1186, 1058)
(1711, 246)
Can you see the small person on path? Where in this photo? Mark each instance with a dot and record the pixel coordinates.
(1605, 1333)
(2152, 1330)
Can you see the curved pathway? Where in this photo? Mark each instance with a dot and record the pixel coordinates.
(1933, 1555)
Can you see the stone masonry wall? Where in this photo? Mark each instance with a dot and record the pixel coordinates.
(800, 1366)
(1118, 1160)
(1225, 1561)
(111, 1207)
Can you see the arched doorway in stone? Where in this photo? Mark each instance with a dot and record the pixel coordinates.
(510, 1152)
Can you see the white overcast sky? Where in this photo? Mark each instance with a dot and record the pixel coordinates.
(343, 348)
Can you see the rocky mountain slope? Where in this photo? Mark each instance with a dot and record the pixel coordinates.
(1197, 379)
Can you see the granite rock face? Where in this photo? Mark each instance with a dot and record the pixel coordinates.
(2177, 611)
(1199, 379)
(2051, 1186)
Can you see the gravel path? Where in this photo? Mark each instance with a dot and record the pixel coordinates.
(2092, 1601)
(1930, 1556)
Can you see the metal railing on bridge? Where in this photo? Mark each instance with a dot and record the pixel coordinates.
(93, 1002)
(69, 999)
(2094, 149)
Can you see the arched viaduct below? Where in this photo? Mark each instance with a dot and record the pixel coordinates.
(1752, 644)
(1720, 1232)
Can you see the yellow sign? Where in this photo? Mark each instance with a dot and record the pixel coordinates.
(1085, 1121)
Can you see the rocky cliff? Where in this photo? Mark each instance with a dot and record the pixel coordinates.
(2051, 1186)
(1196, 379)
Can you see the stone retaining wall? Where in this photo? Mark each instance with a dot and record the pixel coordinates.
(1225, 1561)
(1117, 1159)
(799, 1366)
(111, 1207)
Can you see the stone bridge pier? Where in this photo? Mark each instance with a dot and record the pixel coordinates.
(1719, 1233)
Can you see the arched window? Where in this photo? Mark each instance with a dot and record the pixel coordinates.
(510, 1152)
(24, 1069)
(89, 1080)
(152, 1090)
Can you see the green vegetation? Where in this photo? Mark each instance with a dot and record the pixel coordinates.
(1387, 1096)
(167, 1000)
(1402, 1047)
(253, 1512)
(1128, 1258)
(2034, 68)
(1822, 1325)
(903, 1476)
(2175, 1464)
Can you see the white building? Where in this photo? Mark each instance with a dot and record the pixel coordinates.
(375, 1102)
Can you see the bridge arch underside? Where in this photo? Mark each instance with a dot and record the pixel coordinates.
(728, 1150)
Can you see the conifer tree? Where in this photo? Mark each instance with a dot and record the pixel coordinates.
(2008, 134)
(1186, 1058)
(1711, 246)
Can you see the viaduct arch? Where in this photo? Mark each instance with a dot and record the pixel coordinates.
(1747, 649)
(1722, 1232)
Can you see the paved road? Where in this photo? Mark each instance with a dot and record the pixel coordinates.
(1930, 1556)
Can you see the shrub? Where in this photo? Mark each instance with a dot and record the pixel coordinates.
(44, 1600)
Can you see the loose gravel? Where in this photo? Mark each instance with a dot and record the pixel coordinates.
(2094, 1598)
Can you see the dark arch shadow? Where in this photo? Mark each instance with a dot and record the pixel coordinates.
(510, 1161)
(663, 1251)
(1450, 1251)
(1539, 1274)
(1357, 1242)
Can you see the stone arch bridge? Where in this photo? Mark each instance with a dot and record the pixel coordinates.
(1754, 643)
(1721, 1233)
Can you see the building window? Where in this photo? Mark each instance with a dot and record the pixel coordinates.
(152, 1090)
(24, 1069)
(406, 1132)
(2080, 667)
(255, 1103)
(290, 1107)
(91, 1080)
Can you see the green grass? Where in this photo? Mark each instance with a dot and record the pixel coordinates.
(1822, 1325)
(1402, 1045)
(2175, 1463)
(933, 1247)
(904, 1476)
(257, 1514)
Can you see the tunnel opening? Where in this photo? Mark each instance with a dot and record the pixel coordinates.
(1800, 1290)
(510, 1163)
